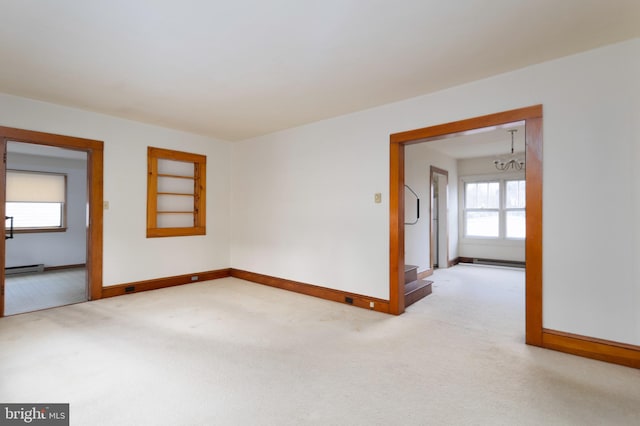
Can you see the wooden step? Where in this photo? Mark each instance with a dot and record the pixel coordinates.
(410, 273)
(416, 290)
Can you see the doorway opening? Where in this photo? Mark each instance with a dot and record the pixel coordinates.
(439, 235)
(532, 117)
(46, 203)
(92, 151)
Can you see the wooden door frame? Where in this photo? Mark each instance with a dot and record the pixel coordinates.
(94, 150)
(532, 116)
(432, 171)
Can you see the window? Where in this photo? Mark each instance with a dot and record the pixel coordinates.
(482, 214)
(495, 209)
(36, 200)
(515, 195)
(175, 193)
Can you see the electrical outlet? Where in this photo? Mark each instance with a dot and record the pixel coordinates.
(377, 198)
(105, 205)
(371, 305)
(194, 278)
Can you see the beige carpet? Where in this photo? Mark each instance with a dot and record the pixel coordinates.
(229, 352)
(35, 291)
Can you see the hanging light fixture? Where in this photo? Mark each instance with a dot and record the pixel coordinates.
(512, 162)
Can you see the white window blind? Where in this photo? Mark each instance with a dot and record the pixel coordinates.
(36, 200)
(35, 187)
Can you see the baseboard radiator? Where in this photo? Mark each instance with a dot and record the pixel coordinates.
(24, 269)
(494, 262)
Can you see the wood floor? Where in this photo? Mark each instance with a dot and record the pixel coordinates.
(36, 291)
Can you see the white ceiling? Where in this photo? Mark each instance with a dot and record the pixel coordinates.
(242, 68)
(488, 141)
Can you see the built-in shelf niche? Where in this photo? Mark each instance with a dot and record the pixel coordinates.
(176, 193)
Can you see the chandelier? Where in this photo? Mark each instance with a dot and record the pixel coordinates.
(511, 162)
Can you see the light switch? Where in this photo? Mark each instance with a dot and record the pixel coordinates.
(105, 205)
(377, 198)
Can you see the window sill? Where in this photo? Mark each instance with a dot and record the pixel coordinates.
(38, 230)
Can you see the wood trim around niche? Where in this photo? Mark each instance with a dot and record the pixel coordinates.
(199, 195)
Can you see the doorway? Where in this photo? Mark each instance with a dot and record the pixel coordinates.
(439, 235)
(46, 203)
(93, 150)
(532, 117)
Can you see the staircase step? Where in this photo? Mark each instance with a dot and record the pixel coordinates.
(416, 290)
(410, 273)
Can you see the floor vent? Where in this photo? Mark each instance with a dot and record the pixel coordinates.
(24, 269)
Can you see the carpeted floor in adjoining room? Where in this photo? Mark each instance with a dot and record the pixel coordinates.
(230, 352)
(34, 291)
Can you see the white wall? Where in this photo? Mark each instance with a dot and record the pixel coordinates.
(303, 206)
(303, 198)
(482, 167)
(418, 160)
(53, 248)
(128, 254)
